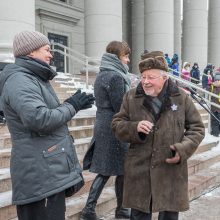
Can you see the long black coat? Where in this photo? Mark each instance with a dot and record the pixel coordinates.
(109, 152)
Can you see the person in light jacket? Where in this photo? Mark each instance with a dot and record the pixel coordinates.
(164, 129)
(44, 166)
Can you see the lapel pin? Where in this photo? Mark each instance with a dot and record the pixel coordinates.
(174, 107)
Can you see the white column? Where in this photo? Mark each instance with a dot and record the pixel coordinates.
(177, 29)
(126, 20)
(15, 16)
(103, 23)
(195, 30)
(159, 25)
(214, 33)
(137, 33)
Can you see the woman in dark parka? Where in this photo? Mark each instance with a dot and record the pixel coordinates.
(110, 86)
(44, 166)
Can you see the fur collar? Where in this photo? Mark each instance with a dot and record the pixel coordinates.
(170, 89)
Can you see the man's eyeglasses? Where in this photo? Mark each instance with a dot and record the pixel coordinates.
(150, 78)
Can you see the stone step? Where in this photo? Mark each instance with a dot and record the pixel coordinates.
(77, 120)
(5, 155)
(7, 211)
(61, 87)
(197, 162)
(74, 204)
(205, 116)
(81, 120)
(204, 180)
(199, 183)
(76, 131)
(106, 202)
(200, 109)
(64, 95)
(201, 161)
(206, 145)
(205, 122)
(5, 141)
(5, 180)
(3, 129)
(81, 131)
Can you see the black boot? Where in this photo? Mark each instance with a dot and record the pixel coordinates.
(88, 213)
(120, 212)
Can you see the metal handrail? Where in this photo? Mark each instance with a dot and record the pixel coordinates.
(192, 85)
(74, 52)
(84, 60)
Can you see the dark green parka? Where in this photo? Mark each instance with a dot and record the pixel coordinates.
(43, 158)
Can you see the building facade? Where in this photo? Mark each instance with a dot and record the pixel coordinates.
(189, 28)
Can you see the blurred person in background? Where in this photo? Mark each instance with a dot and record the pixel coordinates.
(215, 88)
(195, 74)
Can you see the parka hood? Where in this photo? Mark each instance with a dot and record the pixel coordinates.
(9, 70)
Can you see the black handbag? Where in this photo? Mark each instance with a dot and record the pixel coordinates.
(87, 160)
(74, 189)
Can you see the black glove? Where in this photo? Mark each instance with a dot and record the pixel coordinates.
(81, 100)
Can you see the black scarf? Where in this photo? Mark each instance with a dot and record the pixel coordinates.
(37, 67)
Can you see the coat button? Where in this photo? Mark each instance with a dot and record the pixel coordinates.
(152, 167)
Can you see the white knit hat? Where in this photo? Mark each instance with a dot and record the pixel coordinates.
(26, 42)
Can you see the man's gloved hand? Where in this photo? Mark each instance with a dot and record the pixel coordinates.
(81, 100)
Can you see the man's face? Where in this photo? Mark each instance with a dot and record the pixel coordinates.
(152, 81)
(43, 54)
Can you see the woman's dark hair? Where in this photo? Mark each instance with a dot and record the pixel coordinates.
(118, 48)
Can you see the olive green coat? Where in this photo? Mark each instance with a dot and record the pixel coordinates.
(147, 175)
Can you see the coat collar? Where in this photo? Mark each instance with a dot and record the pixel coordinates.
(36, 67)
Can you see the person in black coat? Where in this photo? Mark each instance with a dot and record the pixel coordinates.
(107, 157)
(195, 74)
(207, 77)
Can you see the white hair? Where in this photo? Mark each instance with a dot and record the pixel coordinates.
(164, 73)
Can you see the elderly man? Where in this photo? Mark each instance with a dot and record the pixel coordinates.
(164, 129)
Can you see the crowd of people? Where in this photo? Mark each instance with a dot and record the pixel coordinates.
(209, 80)
(142, 135)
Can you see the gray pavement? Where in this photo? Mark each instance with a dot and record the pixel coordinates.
(206, 207)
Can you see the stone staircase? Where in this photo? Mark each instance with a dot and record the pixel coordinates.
(204, 169)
